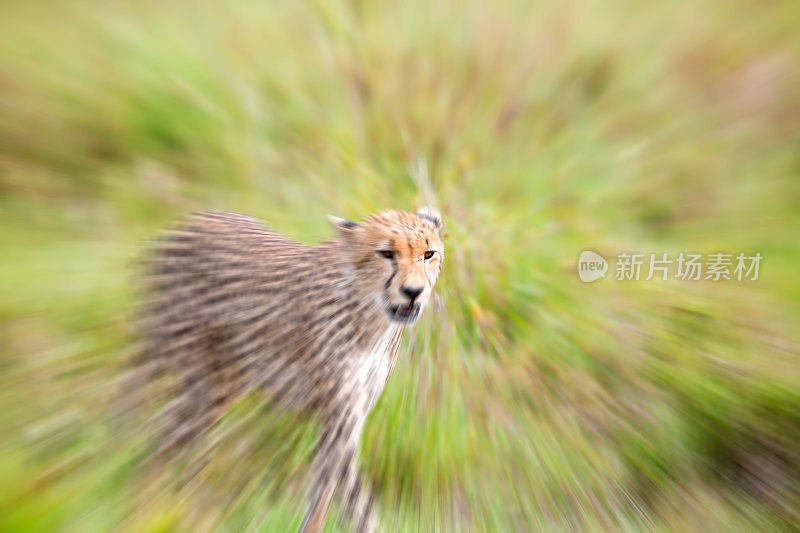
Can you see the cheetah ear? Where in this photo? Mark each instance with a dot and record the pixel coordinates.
(342, 225)
(432, 215)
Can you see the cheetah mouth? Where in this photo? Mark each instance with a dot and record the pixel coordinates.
(404, 313)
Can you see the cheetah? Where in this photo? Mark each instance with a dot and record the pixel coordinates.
(235, 307)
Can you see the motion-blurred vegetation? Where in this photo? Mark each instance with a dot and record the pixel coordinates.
(529, 400)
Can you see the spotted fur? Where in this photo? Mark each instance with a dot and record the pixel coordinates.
(237, 307)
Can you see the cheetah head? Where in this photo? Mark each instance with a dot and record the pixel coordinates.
(396, 258)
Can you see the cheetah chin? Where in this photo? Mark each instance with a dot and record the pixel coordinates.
(404, 314)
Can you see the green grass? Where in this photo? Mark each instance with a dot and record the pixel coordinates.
(531, 400)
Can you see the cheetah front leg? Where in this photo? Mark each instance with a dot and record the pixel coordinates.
(358, 499)
(336, 451)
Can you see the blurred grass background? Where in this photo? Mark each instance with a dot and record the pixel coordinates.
(531, 401)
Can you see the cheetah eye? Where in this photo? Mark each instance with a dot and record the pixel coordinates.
(388, 254)
(427, 255)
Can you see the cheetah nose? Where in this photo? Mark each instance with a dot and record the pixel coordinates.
(412, 292)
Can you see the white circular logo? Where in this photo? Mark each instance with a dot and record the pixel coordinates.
(591, 266)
